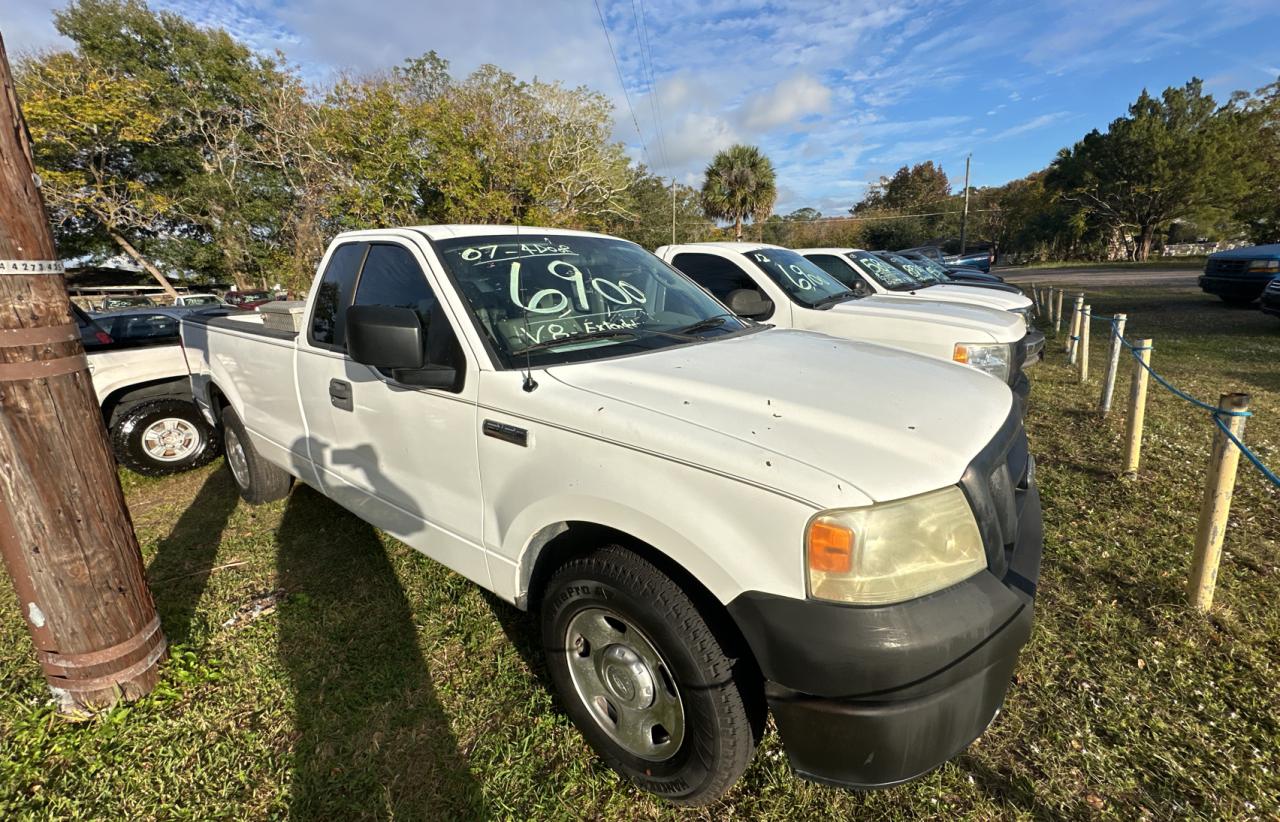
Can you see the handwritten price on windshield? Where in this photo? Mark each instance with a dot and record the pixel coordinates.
(553, 300)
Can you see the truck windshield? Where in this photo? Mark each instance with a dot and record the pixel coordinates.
(564, 298)
(915, 268)
(803, 281)
(934, 268)
(891, 277)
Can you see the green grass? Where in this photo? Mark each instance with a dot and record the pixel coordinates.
(1196, 263)
(383, 685)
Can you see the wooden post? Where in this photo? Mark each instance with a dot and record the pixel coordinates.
(1216, 505)
(1086, 320)
(1113, 365)
(1036, 304)
(65, 534)
(1057, 312)
(1137, 409)
(1073, 339)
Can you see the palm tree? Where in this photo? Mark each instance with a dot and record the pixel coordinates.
(739, 183)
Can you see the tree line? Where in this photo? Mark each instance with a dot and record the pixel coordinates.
(187, 151)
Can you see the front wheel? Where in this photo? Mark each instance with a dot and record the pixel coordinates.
(162, 436)
(647, 678)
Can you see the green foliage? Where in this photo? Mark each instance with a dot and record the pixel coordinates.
(646, 215)
(1256, 147)
(912, 189)
(739, 183)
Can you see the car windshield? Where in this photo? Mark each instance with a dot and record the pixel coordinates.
(201, 300)
(933, 267)
(803, 281)
(891, 277)
(135, 328)
(248, 296)
(914, 268)
(551, 299)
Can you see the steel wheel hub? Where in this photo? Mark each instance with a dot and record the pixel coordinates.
(170, 439)
(625, 684)
(236, 459)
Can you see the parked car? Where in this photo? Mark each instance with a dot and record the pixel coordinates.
(778, 285)
(708, 515)
(198, 301)
(1271, 298)
(979, 260)
(117, 303)
(92, 335)
(140, 377)
(1239, 276)
(857, 268)
(248, 300)
(923, 268)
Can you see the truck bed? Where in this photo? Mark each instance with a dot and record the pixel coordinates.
(253, 367)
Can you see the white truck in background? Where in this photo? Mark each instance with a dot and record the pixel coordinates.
(710, 517)
(779, 286)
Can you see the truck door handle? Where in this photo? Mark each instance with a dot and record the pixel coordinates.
(340, 394)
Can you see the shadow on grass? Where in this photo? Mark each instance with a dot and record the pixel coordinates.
(184, 559)
(521, 630)
(372, 739)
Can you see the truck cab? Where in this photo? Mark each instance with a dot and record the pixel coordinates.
(709, 518)
(780, 286)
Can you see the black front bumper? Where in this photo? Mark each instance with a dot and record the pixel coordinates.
(872, 696)
(1236, 288)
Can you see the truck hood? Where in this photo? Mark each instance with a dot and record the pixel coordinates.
(821, 419)
(970, 322)
(1252, 252)
(955, 293)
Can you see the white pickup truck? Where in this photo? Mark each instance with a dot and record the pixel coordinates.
(778, 285)
(710, 517)
(868, 272)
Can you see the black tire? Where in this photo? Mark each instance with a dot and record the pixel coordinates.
(136, 432)
(257, 480)
(720, 698)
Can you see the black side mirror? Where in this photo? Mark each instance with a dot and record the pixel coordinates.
(749, 303)
(861, 288)
(381, 336)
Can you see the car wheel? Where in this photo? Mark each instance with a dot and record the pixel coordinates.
(162, 436)
(257, 480)
(648, 679)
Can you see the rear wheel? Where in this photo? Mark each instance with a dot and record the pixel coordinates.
(648, 680)
(162, 436)
(256, 479)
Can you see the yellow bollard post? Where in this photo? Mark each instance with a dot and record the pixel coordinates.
(1216, 505)
(1113, 365)
(1086, 320)
(1137, 409)
(1057, 311)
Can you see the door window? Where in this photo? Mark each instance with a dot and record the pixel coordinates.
(334, 295)
(716, 274)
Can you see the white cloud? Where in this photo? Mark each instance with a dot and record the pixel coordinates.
(1033, 124)
(785, 103)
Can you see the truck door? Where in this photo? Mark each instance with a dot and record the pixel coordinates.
(402, 458)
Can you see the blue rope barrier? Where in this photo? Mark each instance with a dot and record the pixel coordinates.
(1214, 411)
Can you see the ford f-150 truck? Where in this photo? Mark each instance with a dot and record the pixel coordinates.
(711, 517)
(1240, 275)
(778, 285)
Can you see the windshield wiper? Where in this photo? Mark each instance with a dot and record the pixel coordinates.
(832, 299)
(576, 338)
(704, 324)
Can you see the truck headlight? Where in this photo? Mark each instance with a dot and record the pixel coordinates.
(893, 551)
(1264, 266)
(993, 358)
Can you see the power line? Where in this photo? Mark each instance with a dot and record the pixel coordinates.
(625, 95)
(646, 56)
(867, 219)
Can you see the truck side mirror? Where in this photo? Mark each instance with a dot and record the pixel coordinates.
(382, 336)
(749, 303)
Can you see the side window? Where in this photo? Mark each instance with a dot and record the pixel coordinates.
(715, 274)
(837, 269)
(392, 277)
(334, 295)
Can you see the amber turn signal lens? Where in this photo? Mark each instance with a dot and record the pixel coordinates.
(961, 354)
(830, 548)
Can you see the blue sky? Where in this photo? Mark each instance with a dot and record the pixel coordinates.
(837, 93)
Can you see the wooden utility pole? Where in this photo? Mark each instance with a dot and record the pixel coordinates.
(65, 534)
(964, 216)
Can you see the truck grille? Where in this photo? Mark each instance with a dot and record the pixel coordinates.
(994, 483)
(1226, 267)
